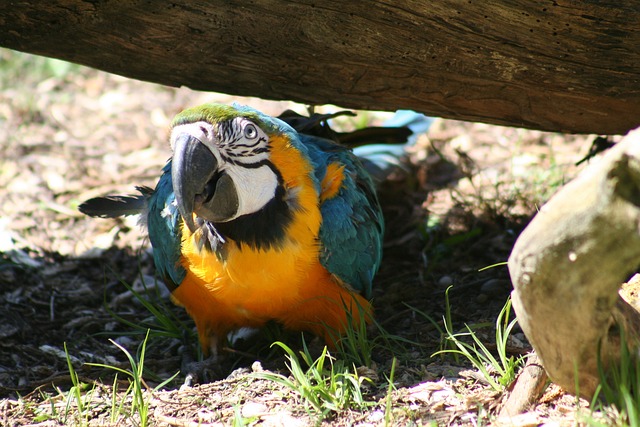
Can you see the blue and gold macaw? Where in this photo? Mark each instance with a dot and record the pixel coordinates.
(252, 221)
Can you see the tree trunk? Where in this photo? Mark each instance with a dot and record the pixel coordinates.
(561, 65)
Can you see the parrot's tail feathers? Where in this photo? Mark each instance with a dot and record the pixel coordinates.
(116, 206)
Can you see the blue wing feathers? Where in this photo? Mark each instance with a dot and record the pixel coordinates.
(352, 225)
(164, 230)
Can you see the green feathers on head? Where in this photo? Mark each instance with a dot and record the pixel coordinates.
(217, 113)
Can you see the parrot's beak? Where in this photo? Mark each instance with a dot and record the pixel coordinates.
(199, 186)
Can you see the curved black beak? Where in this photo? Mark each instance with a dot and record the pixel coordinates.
(198, 184)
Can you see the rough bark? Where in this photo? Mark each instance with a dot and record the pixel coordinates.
(570, 261)
(557, 65)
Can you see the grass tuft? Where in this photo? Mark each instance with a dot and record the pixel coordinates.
(388, 407)
(358, 344)
(138, 390)
(324, 384)
(498, 372)
(619, 390)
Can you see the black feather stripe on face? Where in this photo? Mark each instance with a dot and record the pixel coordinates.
(262, 230)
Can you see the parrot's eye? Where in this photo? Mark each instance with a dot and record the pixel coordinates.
(250, 131)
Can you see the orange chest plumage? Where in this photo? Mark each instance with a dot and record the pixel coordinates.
(248, 286)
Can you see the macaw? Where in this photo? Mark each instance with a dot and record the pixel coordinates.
(253, 221)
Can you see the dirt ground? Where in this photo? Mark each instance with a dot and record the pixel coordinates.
(69, 133)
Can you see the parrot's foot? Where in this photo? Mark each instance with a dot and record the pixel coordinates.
(208, 370)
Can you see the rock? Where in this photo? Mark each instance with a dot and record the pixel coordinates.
(567, 265)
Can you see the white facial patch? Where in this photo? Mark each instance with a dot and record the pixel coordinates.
(255, 187)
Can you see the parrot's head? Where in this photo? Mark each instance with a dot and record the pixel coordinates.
(221, 167)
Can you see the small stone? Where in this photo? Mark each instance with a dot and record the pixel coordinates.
(254, 409)
(238, 373)
(493, 287)
(445, 281)
(125, 341)
(284, 418)
(376, 416)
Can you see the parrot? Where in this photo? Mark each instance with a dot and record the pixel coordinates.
(253, 221)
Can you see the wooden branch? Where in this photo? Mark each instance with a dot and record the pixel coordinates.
(567, 265)
(560, 65)
(527, 390)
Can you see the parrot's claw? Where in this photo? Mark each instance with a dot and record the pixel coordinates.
(210, 369)
(188, 382)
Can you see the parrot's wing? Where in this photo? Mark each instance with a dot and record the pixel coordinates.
(352, 224)
(163, 222)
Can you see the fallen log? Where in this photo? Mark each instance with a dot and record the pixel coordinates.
(558, 65)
